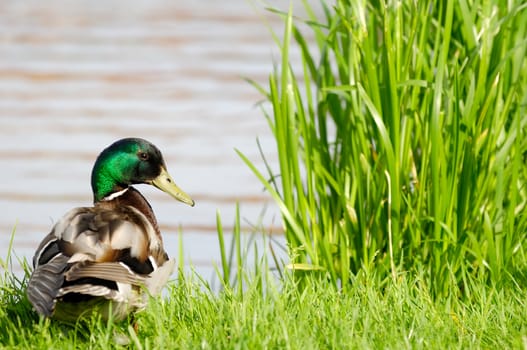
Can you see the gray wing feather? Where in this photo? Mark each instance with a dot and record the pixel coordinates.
(112, 271)
(44, 284)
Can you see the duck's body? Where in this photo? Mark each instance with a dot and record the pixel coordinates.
(101, 258)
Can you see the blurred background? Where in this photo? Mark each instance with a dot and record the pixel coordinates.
(77, 75)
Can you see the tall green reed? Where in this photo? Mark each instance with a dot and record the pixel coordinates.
(236, 271)
(401, 139)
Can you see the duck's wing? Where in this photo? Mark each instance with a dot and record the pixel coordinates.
(44, 283)
(95, 252)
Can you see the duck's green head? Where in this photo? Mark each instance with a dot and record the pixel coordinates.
(132, 161)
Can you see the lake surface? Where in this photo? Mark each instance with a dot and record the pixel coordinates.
(77, 75)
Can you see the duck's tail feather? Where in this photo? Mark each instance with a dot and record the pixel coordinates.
(159, 277)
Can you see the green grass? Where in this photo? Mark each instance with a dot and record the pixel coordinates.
(256, 310)
(371, 314)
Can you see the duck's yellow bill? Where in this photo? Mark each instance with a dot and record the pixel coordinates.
(165, 183)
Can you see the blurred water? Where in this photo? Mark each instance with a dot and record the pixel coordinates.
(77, 75)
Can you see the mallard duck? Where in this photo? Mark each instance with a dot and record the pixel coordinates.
(109, 257)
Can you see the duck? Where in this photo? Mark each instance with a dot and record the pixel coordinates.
(107, 258)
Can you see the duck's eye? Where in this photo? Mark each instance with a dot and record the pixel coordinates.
(143, 155)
